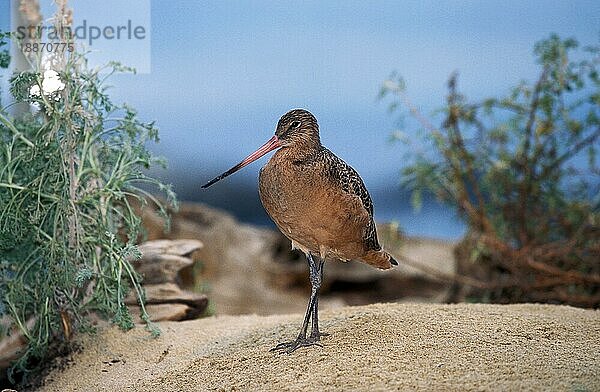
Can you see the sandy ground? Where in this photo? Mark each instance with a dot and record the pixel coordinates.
(376, 347)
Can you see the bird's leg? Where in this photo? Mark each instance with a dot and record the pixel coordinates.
(315, 334)
(312, 310)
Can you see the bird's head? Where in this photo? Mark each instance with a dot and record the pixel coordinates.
(297, 129)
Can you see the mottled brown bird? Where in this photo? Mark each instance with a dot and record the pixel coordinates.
(319, 202)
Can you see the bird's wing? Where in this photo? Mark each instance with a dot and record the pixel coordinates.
(350, 181)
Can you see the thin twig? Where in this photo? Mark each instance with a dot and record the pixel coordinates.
(452, 124)
(525, 185)
(570, 153)
(14, 130)
(454, 278)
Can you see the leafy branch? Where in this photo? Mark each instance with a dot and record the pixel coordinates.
(513, 168)
(69, 170)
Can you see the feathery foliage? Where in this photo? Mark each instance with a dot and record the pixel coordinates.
(523, 172)
(68, 174)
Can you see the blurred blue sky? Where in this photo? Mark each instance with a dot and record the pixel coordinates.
(222, 73)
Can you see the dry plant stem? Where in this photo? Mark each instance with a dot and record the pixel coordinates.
(570, 275)
(547, 170)
(70, 156)
(64, 172)
(475, 214)
(30, 9)
(522, 257)
(416, 113)
(525, 186)
(531, 267)
(454, 278)
(457, 142)
(563, 277)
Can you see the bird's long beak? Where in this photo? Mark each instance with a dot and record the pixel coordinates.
(271, 145)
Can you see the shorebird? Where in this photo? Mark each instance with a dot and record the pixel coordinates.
(317, 201)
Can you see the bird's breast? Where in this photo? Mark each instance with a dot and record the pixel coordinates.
(309, 210)
(285, 191)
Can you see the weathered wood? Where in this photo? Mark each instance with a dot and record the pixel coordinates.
(12, 345)
(162, 260)
(160, 265)
(183, 247)
(160, 268)
(172, 294)
(165, 312)
(273, 273)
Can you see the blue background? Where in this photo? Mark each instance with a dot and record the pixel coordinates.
(223, 72)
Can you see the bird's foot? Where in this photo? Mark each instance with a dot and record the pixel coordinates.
(290, 347)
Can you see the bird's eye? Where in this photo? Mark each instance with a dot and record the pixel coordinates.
(295, 124)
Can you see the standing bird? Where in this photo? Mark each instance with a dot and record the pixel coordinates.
(319, 202)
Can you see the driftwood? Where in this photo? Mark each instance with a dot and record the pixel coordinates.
(162, 260)
(253, 270)
(160, 265)
(184, 305)
(11, 345)
(536, 255)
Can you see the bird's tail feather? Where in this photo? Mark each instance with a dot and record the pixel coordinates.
(380, 259)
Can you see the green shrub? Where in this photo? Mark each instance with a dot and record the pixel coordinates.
(68, 174)
(523, 172)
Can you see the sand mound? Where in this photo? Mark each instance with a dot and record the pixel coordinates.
(377, 347)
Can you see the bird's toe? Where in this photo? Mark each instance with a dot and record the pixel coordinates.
(290, 347)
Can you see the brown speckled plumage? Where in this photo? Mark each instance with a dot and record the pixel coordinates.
(319, 202)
